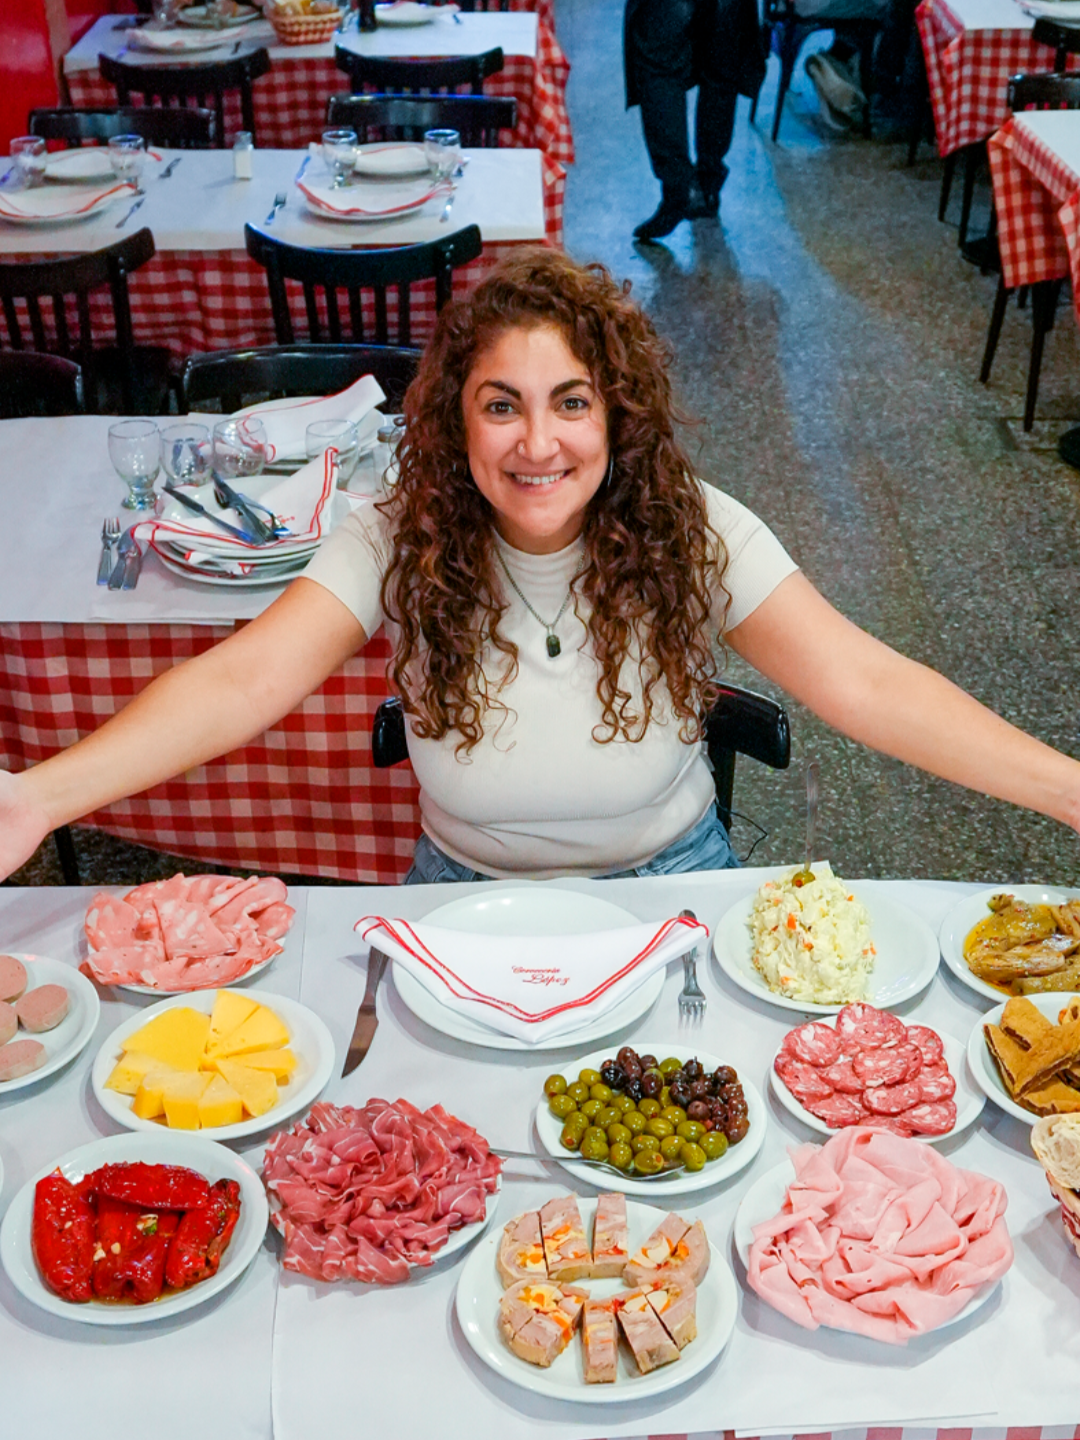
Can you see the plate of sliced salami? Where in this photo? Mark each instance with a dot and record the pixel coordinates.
(869, 1068)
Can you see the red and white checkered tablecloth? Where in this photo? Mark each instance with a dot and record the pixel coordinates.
(1037, 197)
(968, 71)
(302, 799)
(290, 102)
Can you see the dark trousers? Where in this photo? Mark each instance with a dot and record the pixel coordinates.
(664, 35)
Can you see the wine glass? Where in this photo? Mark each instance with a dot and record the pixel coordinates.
(239, 448)
(185, 453)
(127, 156)
(339, 435)
(340, 149)
(135, 451)
(442, 151)
(28, 153)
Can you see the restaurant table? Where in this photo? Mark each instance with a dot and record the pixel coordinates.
(201, 291)
(311, 1359)
(290, 102)
(972, 49)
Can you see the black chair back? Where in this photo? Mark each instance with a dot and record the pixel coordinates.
(206, 84)
(427, 76)
(33, 384)
(170, 129)
(322, 273)
(477, 118)
(233, 378)
(1043, 92)
(1063, 41)
(470, 5)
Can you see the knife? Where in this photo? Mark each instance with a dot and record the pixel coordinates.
(366, 1019)
(194, 505)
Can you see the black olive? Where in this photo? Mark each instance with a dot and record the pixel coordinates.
(693, 1069)
(736, 1128)
(648, 1062)
(731, 1092)
(626, 1054)
(652, 1082)
(725, 1075)
(699, 1089)
(634, 1090)
(697, 1110)
(613, 1075)
(680, 1095)
(631, 1069)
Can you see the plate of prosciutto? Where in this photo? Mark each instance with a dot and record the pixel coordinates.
(190, 932)
(643, 1308)
(48, 1015)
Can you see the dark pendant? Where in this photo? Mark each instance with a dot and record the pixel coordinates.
(554, 649)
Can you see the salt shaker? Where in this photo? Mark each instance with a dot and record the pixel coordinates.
(243, 152)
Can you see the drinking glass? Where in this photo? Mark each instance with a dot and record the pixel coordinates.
(185, 453)
(339, 435)
(442, 151)
(135, 451)
(239, 448)
(28, 153)
(127, 156)
(340, 149)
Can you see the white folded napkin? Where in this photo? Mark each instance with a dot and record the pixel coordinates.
(380, 200)
(48, 202)
(178, 41)
(531, 987)
(286, 421)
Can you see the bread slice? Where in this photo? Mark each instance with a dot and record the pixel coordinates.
(610, 1250)
(600, 1342)
(649, 1342)
(1023, 1022)
(1053, 1051)
(675, 1304)
(1007, 1053)
(565, 1248)
(521, 1250)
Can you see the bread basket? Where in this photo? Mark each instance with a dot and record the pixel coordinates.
(303, 27)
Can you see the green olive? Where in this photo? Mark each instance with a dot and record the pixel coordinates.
(674, 1114)
(594, 1132)
(590, 1108)
(621, 1156)
(670, 1146)
(555, 1085)
(659, 1127)
(622, 1102)
(649, 1107)
(570, 1138)
(562, 1106)
(608, 1116)
(690, 1130)
(670, 1065)
(599, 1091)
(714, 1143)
(594, 1147)
(619, 1135)
(578, 1121)
(634, 1121)
(692, 1156)
(644, 1142)
(648, 1162)
(589, 1077)
(578, 1093)
(665, 1096)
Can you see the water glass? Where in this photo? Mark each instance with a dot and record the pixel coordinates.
(28, 153)
(239, 448)
(442, 151)
(185, 453)
(127, 156)
(340, 149)
(135, 451)
(339, 435)
(165, 12)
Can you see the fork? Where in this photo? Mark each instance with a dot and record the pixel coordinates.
(692, 1000)
(122, 222)
(665, 1174)
(448, 206)
(110, 538)
(279, 203)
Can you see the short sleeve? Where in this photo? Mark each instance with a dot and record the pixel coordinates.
(756, 561)
(351, 562)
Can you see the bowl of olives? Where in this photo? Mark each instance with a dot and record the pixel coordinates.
(666, 1120)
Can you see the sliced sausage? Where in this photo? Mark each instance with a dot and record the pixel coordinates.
(935, 1083)
(895, 1124)
(814, 1043)
(936, 1119)
(804, 1081)
(837, 1110)
(842, 1076)
(891, 1065)
(20, 1058)
(928, 1042)
(43, 1008)
(9, 1022)
(867, 1027)
(892, 1099)
(12, 977)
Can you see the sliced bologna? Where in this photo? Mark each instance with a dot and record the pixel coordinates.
(12, 977)
(837, 1110)
(892, 1099)
(936, 1119)
(20, 1058)
(895, 1124)
(928, 1042)
(935, 1083)
(804, 1081)
(868, 1028)
(43, 1008)
(842, 1076)
(9, 1021)
(814, 1043)
(890, 1066)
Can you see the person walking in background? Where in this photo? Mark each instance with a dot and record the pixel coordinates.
(669, 47)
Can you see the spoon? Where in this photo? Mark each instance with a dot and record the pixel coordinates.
(806, 875)
(665, 1174)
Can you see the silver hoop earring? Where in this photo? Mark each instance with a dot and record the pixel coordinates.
(610, 471)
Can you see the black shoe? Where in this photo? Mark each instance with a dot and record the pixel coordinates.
(669, 214)
(705, 205)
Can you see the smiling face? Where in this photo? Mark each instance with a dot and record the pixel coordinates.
(536, 432)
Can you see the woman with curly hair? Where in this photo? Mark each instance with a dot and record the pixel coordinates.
(557, 586)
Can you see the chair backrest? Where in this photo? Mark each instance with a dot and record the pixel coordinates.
(73, 278)
(33, 384)
(470, 5)
(236, 377)
(1044, 92)
(172, 129)
(1063, 41)
(206, 84)
(477, 118)
(355, 271)
(431, 74)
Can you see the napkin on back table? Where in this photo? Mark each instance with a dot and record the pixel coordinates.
(286, 421)
(53, 202)
(531, 987)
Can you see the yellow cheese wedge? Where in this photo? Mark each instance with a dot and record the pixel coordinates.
(180, 1095)
(256, 1088)
(230, 1010)
(176, 1037)
(149, 1100)
(129, 1072)
(262, 1030)
(219, 1104)
(280, 1063)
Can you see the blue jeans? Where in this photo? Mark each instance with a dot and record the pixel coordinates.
(704, 847)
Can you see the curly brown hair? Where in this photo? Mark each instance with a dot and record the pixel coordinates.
(649, 552)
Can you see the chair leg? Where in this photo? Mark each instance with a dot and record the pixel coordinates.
(789, 50)
(766, 42)
(1043, 305)
(946, 184)
(1001, 299)
(971, 160)
(67, 855)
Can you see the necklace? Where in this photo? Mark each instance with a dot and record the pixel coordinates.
(554, 648)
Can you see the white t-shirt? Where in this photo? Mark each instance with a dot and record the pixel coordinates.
(539, 796)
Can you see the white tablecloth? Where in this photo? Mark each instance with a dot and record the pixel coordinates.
(991, 15)
(1059, 131)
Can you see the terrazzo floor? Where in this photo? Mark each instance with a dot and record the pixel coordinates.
(828, 339)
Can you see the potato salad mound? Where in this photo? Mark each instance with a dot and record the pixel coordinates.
(812, 941)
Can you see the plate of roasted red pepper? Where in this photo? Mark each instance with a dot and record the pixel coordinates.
(133, 1228)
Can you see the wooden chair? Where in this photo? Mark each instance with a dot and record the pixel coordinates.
(477, 118)
(1062, 40)
(470, 5)
(36, 384)
(119, 377)
(206, 84)
(427, 76)
(791, 31)
(169, 129)
(355, 271)
(1032, 92)
(233, 378)
(739, 723)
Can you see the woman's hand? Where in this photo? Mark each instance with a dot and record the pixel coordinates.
(23, 822)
